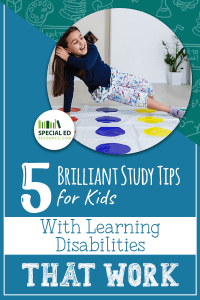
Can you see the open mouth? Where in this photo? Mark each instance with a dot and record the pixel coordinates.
(83, 48)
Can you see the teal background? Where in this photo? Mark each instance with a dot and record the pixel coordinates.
(23, 106)
(98, 277)
(183, 12)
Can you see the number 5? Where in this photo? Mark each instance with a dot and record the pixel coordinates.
(41, 188)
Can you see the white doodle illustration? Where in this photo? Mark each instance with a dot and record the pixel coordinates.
(183, 122)
(15, 5)
(103, 4)
(193, 55)
(197, 131)
(186, 4)
(178, 27)
(196, 87)
(54, 32)
(164, 11)
(135, 1)
(195, 103)
(73, 9)
(38, 11)
(196, 29)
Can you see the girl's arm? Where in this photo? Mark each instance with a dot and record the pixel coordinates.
(69, 93)
(87, 62)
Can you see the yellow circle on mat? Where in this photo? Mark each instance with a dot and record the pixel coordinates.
(145, 110)
(150, 119)
(157, 131)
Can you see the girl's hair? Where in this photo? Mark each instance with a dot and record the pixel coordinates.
(59, 67)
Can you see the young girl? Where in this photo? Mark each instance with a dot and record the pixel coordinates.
(74, 57)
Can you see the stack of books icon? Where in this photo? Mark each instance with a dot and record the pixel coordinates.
(73, 9)
(48, 124)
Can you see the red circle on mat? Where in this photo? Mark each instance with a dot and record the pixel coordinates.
(74, 119)
(73, 109)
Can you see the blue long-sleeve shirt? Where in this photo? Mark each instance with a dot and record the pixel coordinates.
(97, 73)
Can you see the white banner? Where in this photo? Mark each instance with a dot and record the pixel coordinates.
(105, 236)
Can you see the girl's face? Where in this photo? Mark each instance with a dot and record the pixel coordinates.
(76, 44)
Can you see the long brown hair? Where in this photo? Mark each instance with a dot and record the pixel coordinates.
(59, 67)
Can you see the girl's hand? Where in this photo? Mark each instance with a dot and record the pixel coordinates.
(62, 53)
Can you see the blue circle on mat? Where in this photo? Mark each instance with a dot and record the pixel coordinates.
(113, 148)
(107, 109)
(110, 131)
(108, 119)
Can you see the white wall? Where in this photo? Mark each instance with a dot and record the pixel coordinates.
(99, 24)
(136, 45)
(130, 41)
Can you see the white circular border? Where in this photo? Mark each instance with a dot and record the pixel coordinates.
(53, 141)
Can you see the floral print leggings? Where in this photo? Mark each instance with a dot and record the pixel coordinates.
(124, 88)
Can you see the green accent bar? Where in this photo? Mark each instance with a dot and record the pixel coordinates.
(44, 124)
(47, 123)
(58, 124)
(55, 123)
(39, 124)
(50, 124)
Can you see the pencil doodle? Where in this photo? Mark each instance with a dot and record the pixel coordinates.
(185, 4)
(103, 4)
(38, 11)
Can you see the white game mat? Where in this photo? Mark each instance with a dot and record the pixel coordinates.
(131, 128)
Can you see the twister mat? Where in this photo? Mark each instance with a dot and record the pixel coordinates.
(121, 130)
